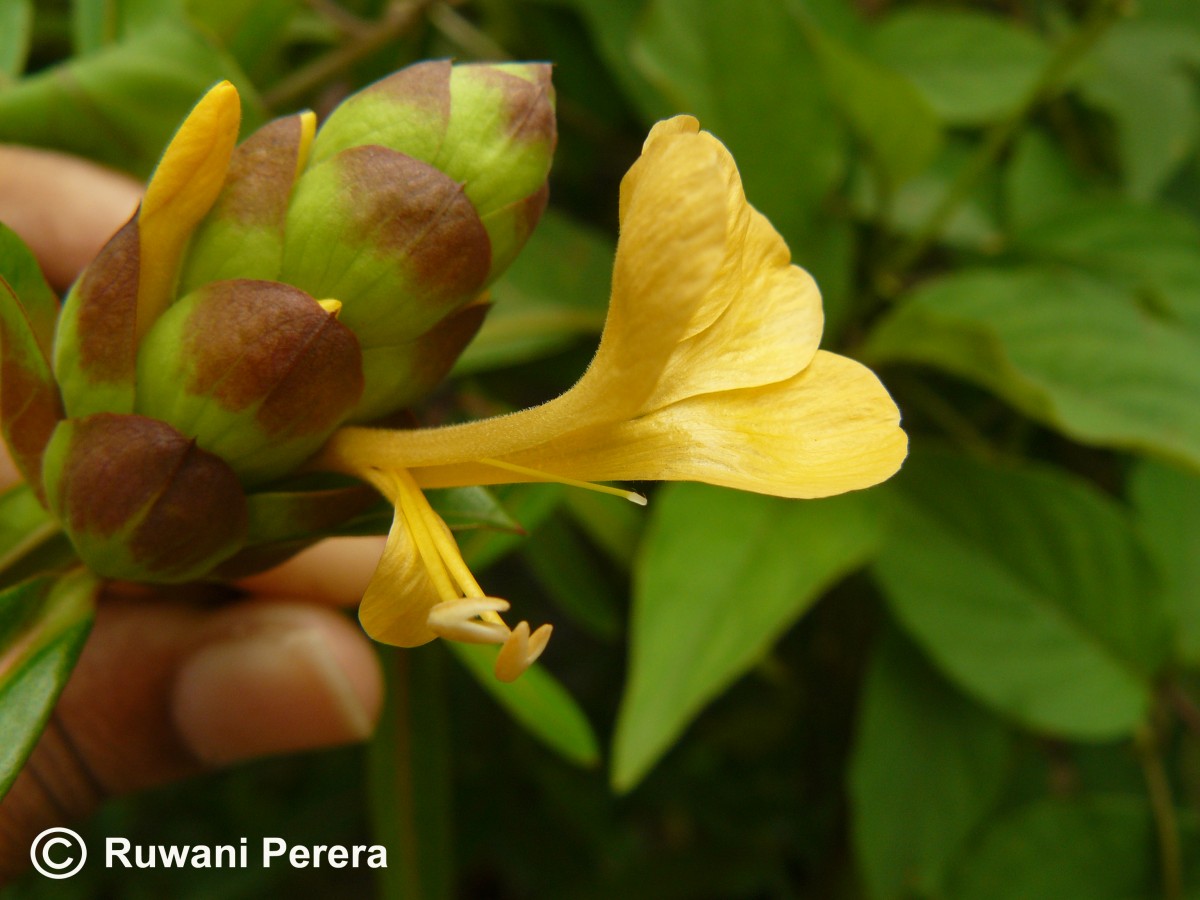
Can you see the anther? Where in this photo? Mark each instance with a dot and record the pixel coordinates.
(521, 651)
(457, 620)
(333, 307)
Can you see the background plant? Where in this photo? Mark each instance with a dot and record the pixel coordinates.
(976, 681)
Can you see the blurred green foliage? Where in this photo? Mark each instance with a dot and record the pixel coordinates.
(976, 681)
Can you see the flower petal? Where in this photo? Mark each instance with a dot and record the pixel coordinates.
(830, 429)
(674, 232)
(671, 247)
(395, 608)
(768, 331)
(182, 190)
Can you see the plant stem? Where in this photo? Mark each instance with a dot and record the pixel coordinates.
(409, 781)
(997, 139)
(1146, 743)
(1185, 707)
(397, 19)
(477, 43)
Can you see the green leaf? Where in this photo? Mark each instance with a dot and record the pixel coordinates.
(1100, 847)
(528, 504)
(1124, 378)
(1029, 590)
(473, 507)
(555, 293)
(251, 32)
(30, 406)
(880, 105)
(122, 104)
(774, 116)
(16, 28)
(973, 226)
(1152, 250)
(721, 576)
(972, 67)
(43, 624)
(536, 701)
(616, 528)
(571, 573)
(411, 772)
(25, 526)
(1167, 505)
(612, 24)
(19, 267)
(927, 764)
(1039, 180)
(96, 24)
(1142, 81)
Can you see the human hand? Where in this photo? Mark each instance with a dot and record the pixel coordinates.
(170, 683)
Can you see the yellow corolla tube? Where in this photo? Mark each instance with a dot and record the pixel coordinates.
(708, 370)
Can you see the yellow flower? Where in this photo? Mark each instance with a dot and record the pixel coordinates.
(707, 370)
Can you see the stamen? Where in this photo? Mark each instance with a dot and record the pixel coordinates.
(521, 650)
(538, 475)
(403, 490)
(333, 307)
(456, 620)
(465, 613)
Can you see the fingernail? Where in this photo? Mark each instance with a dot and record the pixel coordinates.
(295, 679)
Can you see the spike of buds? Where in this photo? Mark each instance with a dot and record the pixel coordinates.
(268, 293)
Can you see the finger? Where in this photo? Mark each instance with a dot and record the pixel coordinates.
(167, 689)
(335, 572)
(63, 207)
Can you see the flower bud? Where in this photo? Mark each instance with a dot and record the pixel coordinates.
(95, 342)
(488, 127)
(242, 237)
(141, 501)
(257, 372)
(397, 376)
(393, 236)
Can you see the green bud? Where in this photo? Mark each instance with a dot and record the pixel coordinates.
(392, 237)
(399, 375)
(242, 237)
(94, 346)
(491, 128)
(139, 500)
(256, 371)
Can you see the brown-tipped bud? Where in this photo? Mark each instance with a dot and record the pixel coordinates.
(140, 501)
(242, 236)
(399, 375)
(392, 237)
(96, 340)
(256, 371)
(489, 127)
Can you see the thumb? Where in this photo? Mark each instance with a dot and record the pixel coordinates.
(63, 207)
(165, 689)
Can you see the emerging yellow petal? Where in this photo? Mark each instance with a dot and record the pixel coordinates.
(182, 190)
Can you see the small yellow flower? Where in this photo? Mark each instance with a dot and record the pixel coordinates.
(707, 370)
